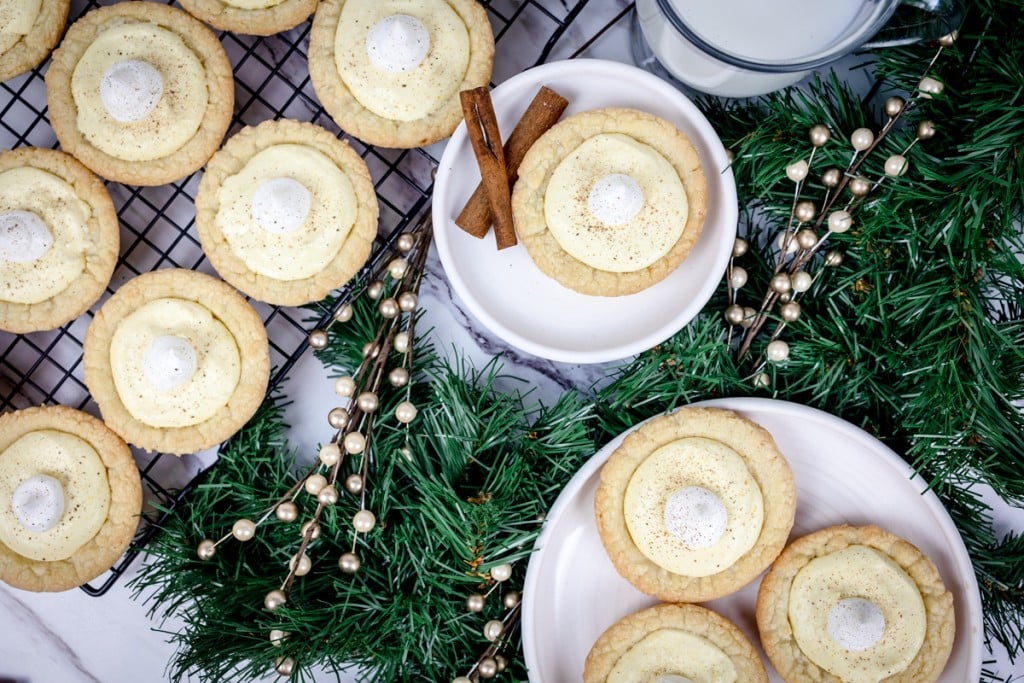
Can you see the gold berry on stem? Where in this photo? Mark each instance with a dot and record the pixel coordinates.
(802, 236)
(383, 378)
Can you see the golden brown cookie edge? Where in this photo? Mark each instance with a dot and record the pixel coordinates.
(113, 538)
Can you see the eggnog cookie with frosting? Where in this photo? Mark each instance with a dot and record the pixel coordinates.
(177, 361)
(855, 604)
(140, 92)
(28, 31)
(58, 239)
(389, 72)
(70, 497)
(673, 644)
(251, 17)
(610, 201)
(286, 212)
(695, 504)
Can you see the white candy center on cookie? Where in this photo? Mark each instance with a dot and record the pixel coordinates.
(398, 43)
(169, 362)
(848, 640)
(24, 237)
(280, 205)
(615, 203)
(696, 516)
(51, 520)
(615, 199)
(130, 90)
(672, 678)
(38, 503)
(856, 624)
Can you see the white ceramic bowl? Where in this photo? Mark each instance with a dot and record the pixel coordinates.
(506, 292)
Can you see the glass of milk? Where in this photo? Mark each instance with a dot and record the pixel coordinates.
(742, 48)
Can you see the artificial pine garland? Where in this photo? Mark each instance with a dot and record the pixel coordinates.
(468, 493)
(917, 336)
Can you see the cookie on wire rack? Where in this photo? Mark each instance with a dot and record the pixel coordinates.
(28, 33)
(251, 17)
(177, 360)
(390, 72)
(140, 92)
(71, 497)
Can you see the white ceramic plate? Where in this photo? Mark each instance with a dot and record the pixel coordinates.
(506, 292)
(573, 593)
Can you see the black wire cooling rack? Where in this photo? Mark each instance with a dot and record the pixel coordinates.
(271, 81)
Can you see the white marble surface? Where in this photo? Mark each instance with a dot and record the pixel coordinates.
(70, 637)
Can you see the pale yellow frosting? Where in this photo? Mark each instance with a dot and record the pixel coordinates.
(650, 507)
(74, 463)
(857, 572)
(54, 232)
(152, 355)
(16, 20)
(407, 94)
(646, 234)
(109, 87)
(673, 655)
(267, 224)
(252, 4)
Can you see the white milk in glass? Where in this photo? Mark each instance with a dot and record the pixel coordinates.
(759, 31)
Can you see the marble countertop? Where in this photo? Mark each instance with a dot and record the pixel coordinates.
(72, 637)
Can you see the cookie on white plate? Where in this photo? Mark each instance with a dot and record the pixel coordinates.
(59, 239)
(610, 201)
(673, 644)
(389, 72)
(693, 505)
(855, 604)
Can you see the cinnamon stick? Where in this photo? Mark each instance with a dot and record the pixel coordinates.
(544, 111)
(484, 136)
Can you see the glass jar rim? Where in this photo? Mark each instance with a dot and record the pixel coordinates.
(824, 57)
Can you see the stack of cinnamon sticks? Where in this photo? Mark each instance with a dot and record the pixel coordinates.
(491, 202)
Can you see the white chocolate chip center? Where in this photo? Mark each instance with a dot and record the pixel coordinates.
(397, 43)
(169, 362)
(696, 516)
(24, 237)
(280, 205)
(615, 199)
(130, 90)
(38, 503)
(856, 624)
